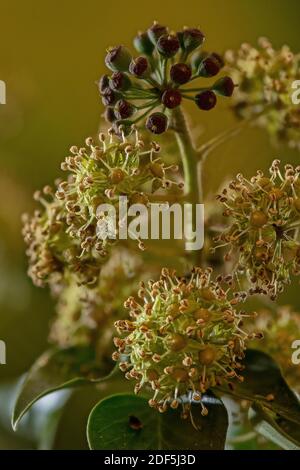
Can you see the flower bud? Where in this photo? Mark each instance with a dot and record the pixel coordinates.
(143, 44)
(120, 81)
(157, 123)
(190, 39)
(209, 67)
(206, 100)
(156, 31)
(180, 73)
(123, 109)
(118, 59)
(139, 66)
(224, 86)
(168, 45)
(171, 98)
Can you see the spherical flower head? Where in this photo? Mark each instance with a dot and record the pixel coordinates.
(280, 327)
(184, 337)
(264, 229)
(156, 82)
(264, 77)
(100, 175)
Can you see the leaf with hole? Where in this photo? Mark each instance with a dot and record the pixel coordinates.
(125, 421)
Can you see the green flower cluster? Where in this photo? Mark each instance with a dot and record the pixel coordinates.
(185, 336)
(264, 230)
(70, 232)
(264, 77)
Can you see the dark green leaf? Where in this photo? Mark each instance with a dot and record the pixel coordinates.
(57, 369)
(126, 421)
(281, 431)
(269, 393)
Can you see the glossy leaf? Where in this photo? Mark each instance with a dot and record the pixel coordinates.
(54, 370)
(126, 421)
(270, 395)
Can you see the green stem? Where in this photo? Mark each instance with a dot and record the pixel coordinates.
(189, 157)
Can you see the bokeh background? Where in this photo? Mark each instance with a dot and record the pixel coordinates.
(51, 53)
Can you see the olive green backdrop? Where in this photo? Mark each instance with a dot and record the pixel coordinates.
(51, 53)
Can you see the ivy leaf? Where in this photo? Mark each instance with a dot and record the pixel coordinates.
(125, 421)
(281, 431)
(58, 369)
(269, 393)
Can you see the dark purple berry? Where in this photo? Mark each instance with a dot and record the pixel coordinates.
(109, 115)
(157, 123)
(103, 83)
(123, 109)
(209, 67)
(118, 59)
(206, 100)
(119, 81)
(180, 73)
(143, 44)
(155, 32)
(218, 58)
(108, 97)
(138, 66)
(171, 98)
(197, 58)
(191, 38)
(168, 45)
(224, 86)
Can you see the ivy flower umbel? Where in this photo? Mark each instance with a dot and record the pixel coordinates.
(264, 77)
(264, 230)
(152, 84)
(65, 233)
(100, 175)
(185, 335)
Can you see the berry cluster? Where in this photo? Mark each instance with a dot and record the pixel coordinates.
(184, 336)
(265, 214)
(153, 84)
(265, 77)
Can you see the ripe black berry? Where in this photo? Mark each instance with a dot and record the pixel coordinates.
(209, 67)
(206, 100)
(157, 123)
(168, 45)
(123, 109)
(155, 32)
(138, 66)
(108, 97)
(171, 98)
(180, 73)
(103, 83)
(120, 81)
(224, 86)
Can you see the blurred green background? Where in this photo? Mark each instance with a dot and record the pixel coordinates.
(51, 53)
